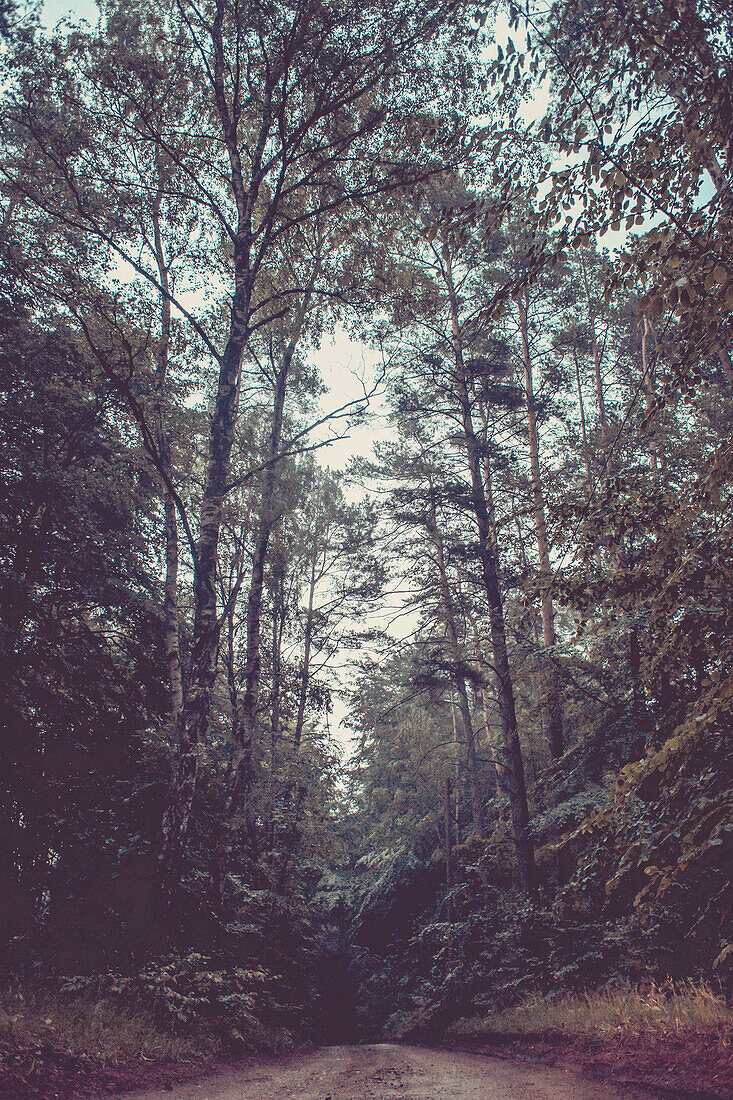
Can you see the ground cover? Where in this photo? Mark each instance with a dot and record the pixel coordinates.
(676, 1040)
(55, 1048)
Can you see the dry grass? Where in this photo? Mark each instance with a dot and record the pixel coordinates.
(657, 1009)
(99, 1028)
(664, 1036)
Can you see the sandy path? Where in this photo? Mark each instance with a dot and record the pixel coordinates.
(387, 1072)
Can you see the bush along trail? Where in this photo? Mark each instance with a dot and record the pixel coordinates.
(386, 705)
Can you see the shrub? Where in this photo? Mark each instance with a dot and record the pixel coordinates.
(190, 994)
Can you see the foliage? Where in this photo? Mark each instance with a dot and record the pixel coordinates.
(189, 994)
(652, 1009)
(94, 1024)
(662, 844)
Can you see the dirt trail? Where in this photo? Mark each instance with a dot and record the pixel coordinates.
(386, 1072)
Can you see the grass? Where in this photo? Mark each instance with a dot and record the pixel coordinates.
(99, 1028)
(662, 1036)
(663, 1009)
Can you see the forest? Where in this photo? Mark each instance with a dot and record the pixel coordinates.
(386, 702)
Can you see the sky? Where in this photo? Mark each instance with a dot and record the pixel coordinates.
(53, 10)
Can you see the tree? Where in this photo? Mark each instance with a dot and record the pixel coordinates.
(278, 118)
(434, 258)
(82, 692)
(643, 94)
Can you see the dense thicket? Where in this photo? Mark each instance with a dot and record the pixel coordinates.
(194, 197)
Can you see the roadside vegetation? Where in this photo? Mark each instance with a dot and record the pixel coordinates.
(661, 1011)
(95, 1026)
(677, 1038)
(59, 1046)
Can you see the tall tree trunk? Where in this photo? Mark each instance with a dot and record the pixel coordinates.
(457, 660)
(448, 846)
(170, 603)
(486, 467)
(497, 756)
(583, 431)
(246, 728)
(278, 630)
(524, 871)
(553, 705)
(197, 704)
(600, 396)
(487, 676)
(586, 453)
(194, 720)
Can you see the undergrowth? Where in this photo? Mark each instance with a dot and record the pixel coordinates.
(657, 1009)
(97, 1027)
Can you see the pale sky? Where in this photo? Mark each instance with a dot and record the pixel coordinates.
(53, 10)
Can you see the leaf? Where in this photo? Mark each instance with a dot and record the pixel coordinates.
(724, 954)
